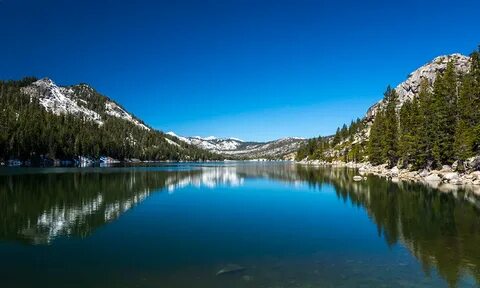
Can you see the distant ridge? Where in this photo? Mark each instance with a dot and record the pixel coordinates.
(277, 149)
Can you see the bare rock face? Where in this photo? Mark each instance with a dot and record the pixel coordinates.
(408, 89)
(473, 163)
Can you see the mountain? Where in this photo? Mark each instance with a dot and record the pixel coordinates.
(43, 120)
(429, 120)
(410, 88)
(233, 147)
(79, 100)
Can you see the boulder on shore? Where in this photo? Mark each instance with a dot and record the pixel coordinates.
(433, 178)
(395, 171)
(450, 176)
(446, 168)
(424, 173)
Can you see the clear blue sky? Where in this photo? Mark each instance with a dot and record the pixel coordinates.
(255, 70)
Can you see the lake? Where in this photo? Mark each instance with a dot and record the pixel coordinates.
(286, 225)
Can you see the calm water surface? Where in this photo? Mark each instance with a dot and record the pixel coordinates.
(176, 225)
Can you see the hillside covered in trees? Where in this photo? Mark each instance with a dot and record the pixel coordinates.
(40, 121)
(434, 123)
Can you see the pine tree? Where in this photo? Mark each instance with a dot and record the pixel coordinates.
(475, 98)
(464, 130)
(391, 127)
(376, 140)
(408, 142)
(426, 132)
(27, 131)
(444, 109)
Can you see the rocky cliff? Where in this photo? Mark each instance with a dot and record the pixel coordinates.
(408, 89)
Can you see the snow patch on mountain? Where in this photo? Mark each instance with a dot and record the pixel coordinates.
(184, 139)
(277, 149)
(210, 138)
(59, 100)
(114, 110)
(172, 142)
(64, 100)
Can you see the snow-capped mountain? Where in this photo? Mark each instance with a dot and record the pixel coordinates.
(81, 100)
(85, 102)
(277, 149)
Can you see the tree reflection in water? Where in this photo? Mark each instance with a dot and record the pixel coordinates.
(442, 230)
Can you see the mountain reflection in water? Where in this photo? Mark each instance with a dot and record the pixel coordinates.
(442, 230)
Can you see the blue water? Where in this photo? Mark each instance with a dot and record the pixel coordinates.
(177, 225)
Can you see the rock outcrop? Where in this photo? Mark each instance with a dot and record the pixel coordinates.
(406, 91)
(410, 88)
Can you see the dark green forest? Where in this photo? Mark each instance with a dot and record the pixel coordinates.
(343, 140)
(29, 132)
(439, 126)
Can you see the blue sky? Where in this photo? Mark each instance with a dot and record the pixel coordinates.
(255, 70)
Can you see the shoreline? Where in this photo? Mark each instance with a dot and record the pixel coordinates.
(445, 179)
(113, 162)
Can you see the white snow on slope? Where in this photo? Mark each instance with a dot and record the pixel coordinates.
(62, 100)
(58, 100)
(114, 110)
(210, 138)
(184, 139)
(237, 147)
(172, 142)
(215, 144)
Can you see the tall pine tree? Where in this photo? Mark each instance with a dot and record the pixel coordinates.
(444, 110)
(391, 127)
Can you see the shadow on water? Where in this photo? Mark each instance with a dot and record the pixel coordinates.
(442, 230)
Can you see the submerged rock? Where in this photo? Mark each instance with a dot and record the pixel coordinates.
(357, 178)
(229, 269)
(247, 278)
